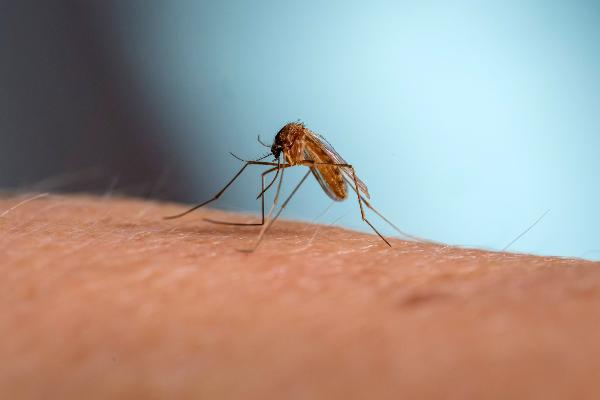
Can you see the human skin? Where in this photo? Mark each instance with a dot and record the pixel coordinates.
(102, 298)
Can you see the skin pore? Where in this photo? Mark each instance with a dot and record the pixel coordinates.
(102, 298)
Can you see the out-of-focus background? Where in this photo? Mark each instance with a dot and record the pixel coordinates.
(467, 120)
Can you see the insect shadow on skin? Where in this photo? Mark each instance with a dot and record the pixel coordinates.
(302, 147)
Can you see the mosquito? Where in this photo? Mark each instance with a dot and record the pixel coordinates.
(302, 147)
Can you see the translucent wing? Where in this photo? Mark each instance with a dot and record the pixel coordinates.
(316, 143)
(330, 177)
(331, 192)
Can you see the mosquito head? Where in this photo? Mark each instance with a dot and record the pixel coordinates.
(276, 149)
(278, 144)
(289, 141)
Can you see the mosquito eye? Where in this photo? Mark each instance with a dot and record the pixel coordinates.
(276, 150)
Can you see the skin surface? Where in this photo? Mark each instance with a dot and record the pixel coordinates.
(101, 298)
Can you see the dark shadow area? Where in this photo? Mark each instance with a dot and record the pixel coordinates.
(68, 119)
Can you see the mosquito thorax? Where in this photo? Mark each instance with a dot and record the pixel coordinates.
(276, 150)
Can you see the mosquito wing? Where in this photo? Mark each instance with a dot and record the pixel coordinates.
(319, 149)
(330, 177)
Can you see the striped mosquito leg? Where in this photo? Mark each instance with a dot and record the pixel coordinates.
(220, 193)
(262, 201)
(362, 211)
(262, 209)
(355, 188)
(267, 224)
(390, 223)
(283, 205)
(290, 197)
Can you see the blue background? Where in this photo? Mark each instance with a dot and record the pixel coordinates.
(467, 120)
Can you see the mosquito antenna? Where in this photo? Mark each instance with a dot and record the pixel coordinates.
(263, 143)
(526, 230)
(263, 157)
(241, 159)
(272, 182)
